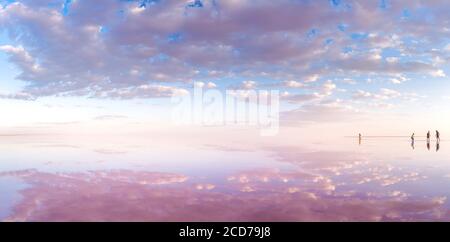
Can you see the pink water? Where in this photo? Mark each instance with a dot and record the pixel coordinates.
(58, 178)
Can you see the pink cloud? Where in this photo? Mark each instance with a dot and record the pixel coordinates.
(144, 196)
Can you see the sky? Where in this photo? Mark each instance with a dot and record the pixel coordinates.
(342, 67)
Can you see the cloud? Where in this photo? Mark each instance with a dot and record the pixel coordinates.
(293, 84)
(388, 93)
(18, 95)
(143, 91)
(385, 94)
(384, 97)
(211, 85)
(23, 59)
(392, 59)
(301, 98)
(320, 92)
(247, 85)
(328, 87)
(76, 49)
(334, 111)
(123, 195)
(360, 94)
(364, 65)
(438, 73)
(312, 78)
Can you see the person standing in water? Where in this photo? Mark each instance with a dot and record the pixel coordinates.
(428, 136)
(438, 136)
(412, 140)
(359, 138)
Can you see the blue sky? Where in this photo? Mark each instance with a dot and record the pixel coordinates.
(9, 71)
(333, 61)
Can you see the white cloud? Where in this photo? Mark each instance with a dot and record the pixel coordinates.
(447, 47)
(199, 84)
(143, 91)
(438, 73)
(248, 85)
(328, 87)
(90, 51)
(312, 78)
(23, 59)
(211, 85)
(293, 84)
(379, 99)
(360, 94)
(392, 59)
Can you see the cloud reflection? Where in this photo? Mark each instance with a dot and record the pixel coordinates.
(257, 195)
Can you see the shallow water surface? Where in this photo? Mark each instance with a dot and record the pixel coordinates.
(55, 178)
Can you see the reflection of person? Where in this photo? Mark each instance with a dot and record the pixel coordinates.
(437, 146)
(428, 145)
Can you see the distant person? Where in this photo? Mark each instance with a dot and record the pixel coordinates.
(359, 138)
(438, 136)
(428, 136)
(412, 141)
